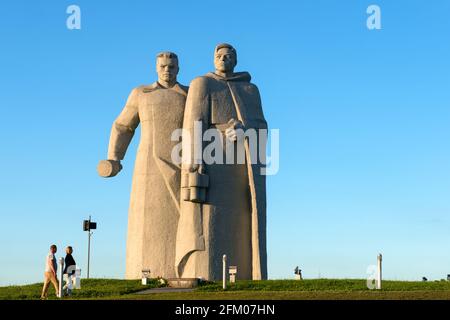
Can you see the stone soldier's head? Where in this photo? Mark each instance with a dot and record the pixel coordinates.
(167, 68)
(225, 59)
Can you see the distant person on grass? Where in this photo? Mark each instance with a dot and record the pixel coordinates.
(69, 271)
(50, 272)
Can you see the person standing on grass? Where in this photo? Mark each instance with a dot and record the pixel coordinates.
(51, 267)
(69, 270)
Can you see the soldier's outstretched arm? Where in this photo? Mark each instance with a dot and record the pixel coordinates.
(121, 134)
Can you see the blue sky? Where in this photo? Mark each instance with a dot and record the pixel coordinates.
(363, 118)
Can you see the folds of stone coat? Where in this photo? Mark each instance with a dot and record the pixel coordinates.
(232, 221)
(154, 201)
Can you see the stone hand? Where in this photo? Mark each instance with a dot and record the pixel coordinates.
(109, 168)
(231, 133)
(197, 168)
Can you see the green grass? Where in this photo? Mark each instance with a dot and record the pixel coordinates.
(90, 288)
(243, 290)
(326, 285)
(296, 295)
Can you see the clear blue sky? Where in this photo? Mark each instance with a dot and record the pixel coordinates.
(364, 119)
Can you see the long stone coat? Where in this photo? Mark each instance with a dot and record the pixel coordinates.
(232, 220)
(154, 201)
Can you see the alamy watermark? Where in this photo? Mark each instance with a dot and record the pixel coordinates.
(374, 20)
(239, 146)
(73, 21)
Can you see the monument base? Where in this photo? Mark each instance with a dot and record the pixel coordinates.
(183, 282)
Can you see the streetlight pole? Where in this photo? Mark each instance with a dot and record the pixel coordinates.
(89, 249)
(88, 226)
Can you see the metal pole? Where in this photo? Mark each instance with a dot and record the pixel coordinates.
(89, 248)
(224, 271)
(89, 252)
(379, 275)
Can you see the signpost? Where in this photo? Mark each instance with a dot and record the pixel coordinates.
(88, 226)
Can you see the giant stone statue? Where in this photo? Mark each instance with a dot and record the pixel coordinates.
(184, 216)
(223, 206)
(155, 196)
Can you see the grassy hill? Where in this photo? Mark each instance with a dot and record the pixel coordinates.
(270, 289)
(90, 288)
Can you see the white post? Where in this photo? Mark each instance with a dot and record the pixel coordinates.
(224, 271)
(61, 275)
(379, 275)
(77, 279)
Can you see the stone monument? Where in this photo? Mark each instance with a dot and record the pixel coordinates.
(155, 196)
(184, 217)
(223, 206)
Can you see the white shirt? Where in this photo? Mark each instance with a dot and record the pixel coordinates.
(50, 259)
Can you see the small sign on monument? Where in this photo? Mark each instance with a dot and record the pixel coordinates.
(145, 277)
(232, 271)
